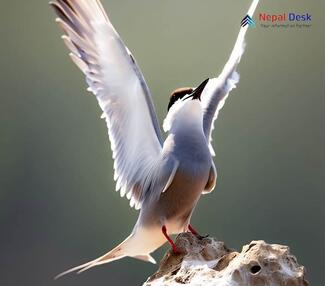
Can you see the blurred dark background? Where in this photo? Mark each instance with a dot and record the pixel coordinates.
(58, 207)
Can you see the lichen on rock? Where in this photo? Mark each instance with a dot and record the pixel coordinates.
(206, 261)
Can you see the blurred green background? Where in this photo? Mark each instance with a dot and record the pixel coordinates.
(57, 204)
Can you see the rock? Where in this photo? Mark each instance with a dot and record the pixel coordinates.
(208, 262)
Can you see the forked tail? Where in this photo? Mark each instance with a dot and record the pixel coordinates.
(126, 248)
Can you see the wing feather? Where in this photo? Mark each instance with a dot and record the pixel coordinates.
(114, 77)
(217, 89)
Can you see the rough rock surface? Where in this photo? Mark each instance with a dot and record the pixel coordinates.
(207, 261)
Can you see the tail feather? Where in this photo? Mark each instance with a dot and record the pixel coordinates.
(100, 262)
(116, 253)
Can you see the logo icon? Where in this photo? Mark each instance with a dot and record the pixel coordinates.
(248, 20)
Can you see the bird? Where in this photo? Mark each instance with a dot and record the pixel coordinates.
(163, 179)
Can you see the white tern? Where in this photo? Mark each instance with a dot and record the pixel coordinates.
(163, 179)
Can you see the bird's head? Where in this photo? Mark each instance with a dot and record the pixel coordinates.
(184, 107)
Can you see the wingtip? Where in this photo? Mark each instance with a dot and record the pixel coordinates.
(252, 8)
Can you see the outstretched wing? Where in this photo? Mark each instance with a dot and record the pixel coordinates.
(118, 84)
(217, 89)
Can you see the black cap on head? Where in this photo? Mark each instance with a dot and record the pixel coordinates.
(178, 94)
(181, 93)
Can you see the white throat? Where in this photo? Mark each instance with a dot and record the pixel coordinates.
(184, 115)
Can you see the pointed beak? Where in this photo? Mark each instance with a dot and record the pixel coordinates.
(196, 94)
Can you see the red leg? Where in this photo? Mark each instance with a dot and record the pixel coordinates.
(193, 230)
(171, 242)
